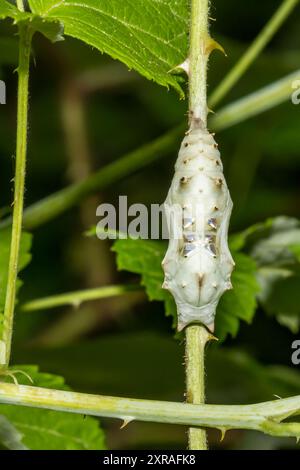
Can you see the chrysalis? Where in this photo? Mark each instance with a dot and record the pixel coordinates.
(198, 263)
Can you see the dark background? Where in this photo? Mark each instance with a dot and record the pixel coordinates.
(126, 346)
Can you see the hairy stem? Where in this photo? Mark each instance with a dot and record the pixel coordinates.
(253, 52)
(23, 71)
(197, 335)
(264, 417)
(78, 297)
(236, 112)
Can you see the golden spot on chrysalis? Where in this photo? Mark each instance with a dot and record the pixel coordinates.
(219, 182)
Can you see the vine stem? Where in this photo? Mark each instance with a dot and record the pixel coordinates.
(264, 417)
(19, 180)
(197, 335)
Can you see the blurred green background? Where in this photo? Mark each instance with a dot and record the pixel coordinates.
(86, 111)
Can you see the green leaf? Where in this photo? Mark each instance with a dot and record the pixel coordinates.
(7, 10)
(144, 257)
(149, 36)
(240, 302)
(24, 259)
(10, 437)
(276, 253)
(46, 429)
(50, 28)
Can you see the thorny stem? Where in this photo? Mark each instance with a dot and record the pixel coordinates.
(197, 335)
(253, 51)
(23, 71)
(20, 5)
(56, 204)
(265, 417)
(78, 297)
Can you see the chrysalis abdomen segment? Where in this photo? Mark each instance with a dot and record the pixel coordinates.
(198, 263)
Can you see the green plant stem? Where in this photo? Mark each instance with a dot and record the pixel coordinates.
(20, 5)
(23, 72)
(78, 297)
(197, 335)
(253, 51)
(257, 102)
(196, 339)
(264, 417)
(236, 112)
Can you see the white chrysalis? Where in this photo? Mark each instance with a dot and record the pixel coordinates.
(198, 263)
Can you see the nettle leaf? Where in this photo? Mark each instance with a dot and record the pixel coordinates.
(276, 253)
(24, 259)
(45, 429)
(240, 302)
(50, 28)
(144, 257)
(149, 36)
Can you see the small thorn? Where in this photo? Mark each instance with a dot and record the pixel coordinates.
(126, 421)
(211, 328)
(212, 338)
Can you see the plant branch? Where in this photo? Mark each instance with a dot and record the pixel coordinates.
(265, 417)
(23, 71)
(20, 5)
(253, 51)
(196, 339)
(197, 335)
(78, 297)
